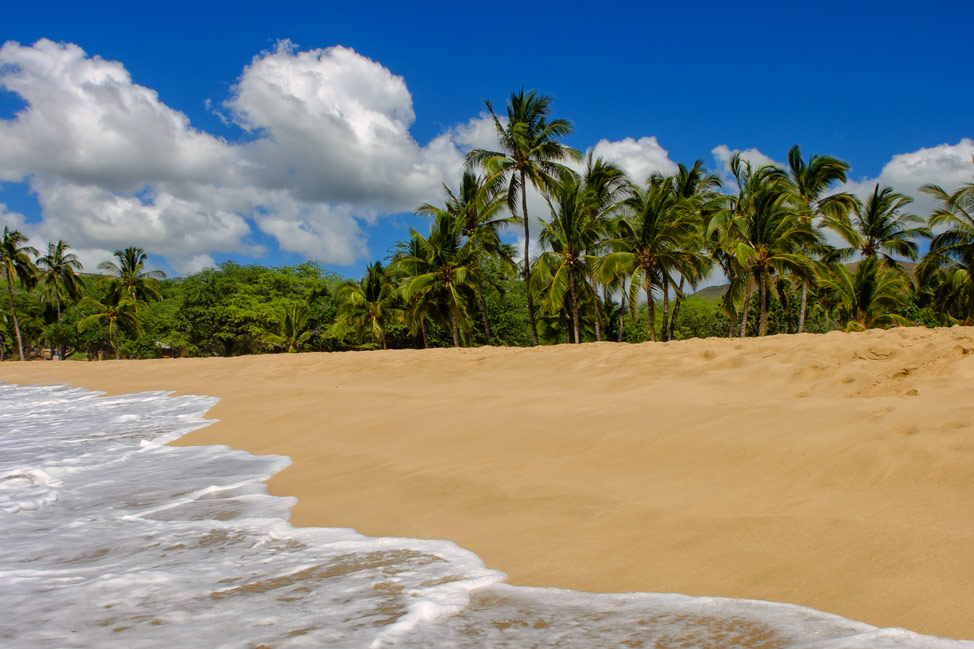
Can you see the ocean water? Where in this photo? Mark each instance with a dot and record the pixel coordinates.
(111, 538)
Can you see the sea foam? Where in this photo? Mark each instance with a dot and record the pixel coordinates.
(111, 538)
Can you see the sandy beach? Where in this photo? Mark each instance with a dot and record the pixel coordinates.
(835, 471)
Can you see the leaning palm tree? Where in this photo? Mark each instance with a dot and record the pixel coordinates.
(130, 274)
(16, 262)
(868, 298)
(480, 210)
(883, 228)
(529, 152)
(815, 207)
(372, 303)
(293, 328)
(57, 273)
(952, 251)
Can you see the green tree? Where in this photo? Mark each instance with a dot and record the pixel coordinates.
(882, 227)
(372, 303)
(529, 152)
(651, 239)
(293, 328)
(15, 258)
(951, 254)
(815, 207)
(131, 275)
(444, 271)
(479, 208)
(118, 308)
(869, 297)
(764, 233)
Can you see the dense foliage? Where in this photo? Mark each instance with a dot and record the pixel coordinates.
(620, 261)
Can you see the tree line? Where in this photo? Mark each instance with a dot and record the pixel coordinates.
(619, 260)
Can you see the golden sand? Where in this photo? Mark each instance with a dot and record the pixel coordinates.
(832, 471)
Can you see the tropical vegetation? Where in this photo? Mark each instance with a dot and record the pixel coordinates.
(621, 259)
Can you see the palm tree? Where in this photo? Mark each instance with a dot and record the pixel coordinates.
(478, 208)
(882, 228)
(444, 270)
(605, 188)
(952, 251)
(811, 182)
(700, 191)
(372, 303)
(574, 230)
(651, 240)
(531, 153)
(868, 298)
(16, 262)
(293, 328)
(119, 308)
(57, 274)
(130, 273)
(764, 233)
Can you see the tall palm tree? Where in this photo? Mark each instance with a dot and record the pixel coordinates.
(869, 297)
(764, 234)
(651, 240)
(605, 188)
(118, 308)
(952, 251)
(573, 231)
(479, 209)
(699, 189)
(57, 273)
(130, 274)
(812, 181)
(444, 270)
(529, 152)
(372, 303)
(15, 258)
(883, 228)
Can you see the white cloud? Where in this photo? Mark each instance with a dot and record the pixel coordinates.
(947, 165)
(113, 166)
(724, 154)
(638, 158)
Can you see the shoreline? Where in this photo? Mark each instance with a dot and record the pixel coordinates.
(800, 469)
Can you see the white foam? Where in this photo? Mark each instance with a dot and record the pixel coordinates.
(110, 538)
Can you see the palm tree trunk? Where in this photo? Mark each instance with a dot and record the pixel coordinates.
(745, 308)
(763, 320)
(527, 261)
(595, 305)
(455, 328)
(57, 305)
(574, 297)
(665, 333)
(786, 306)
(385, 343)
(676, 310)
(483, 314)
(13, 312)
(622, 311)
(801, 313)
(650, 310)
(422, 328)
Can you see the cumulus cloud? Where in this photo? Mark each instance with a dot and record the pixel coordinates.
(638, 158)
(947, 165)
(724, 154)
(112, 165)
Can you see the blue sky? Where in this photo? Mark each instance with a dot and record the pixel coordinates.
(249, 175)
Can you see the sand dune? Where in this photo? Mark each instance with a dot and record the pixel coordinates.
(832, 471)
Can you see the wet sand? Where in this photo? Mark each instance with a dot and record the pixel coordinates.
(835, 471)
